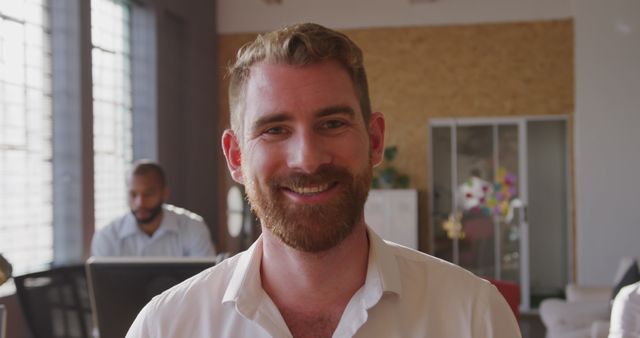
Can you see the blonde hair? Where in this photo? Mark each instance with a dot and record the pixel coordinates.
(297, 45)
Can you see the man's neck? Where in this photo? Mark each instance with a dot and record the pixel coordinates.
(151, 227)
(326, 281)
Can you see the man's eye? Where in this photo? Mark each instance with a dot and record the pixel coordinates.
(332, 124)
(274, 131)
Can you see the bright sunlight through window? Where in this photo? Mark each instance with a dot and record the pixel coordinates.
(110, 35)
(26, 212)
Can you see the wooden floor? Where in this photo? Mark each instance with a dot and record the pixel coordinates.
(531, 326)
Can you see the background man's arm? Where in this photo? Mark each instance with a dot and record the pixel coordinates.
(102, 244)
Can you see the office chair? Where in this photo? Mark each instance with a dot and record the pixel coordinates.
(55, 302)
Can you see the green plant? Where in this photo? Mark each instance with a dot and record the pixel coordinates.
(386, 176)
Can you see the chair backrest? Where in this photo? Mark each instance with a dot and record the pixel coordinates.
(511, 293)
(55, 302)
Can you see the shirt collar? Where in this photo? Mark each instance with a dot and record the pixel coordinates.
(130, 226)
(383, 274)
(245, 286)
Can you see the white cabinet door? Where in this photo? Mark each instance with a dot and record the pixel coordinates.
(393, 214)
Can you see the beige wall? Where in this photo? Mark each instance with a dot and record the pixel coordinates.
(418, 73)
(247, 16)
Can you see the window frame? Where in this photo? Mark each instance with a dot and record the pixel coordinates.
(71, 125)
(73, 158)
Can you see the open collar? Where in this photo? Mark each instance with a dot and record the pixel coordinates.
(245, 286)
(130, 227)
(382, 270)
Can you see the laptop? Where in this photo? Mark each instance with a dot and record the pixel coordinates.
(119, 287)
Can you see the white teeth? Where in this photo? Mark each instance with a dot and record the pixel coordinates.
(310, 190)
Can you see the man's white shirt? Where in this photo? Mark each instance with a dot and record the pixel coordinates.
(406, 294)
(181, 233)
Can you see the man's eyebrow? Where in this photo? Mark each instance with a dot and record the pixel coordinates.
(273, 118)
(333, 110)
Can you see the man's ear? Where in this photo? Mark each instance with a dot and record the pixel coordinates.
(233, 155)
(376, 137)
(166, 192)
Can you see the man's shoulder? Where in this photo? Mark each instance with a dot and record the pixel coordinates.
(182, 213)
(443, 285)
(415, 262)
(206, 288)
(199, 299)
(413, 256)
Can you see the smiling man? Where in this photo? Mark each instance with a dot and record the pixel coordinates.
(303, 142)
(152, 228)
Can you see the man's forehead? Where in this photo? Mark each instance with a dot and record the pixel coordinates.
(273, 84)
(266, 72)
(147, 178)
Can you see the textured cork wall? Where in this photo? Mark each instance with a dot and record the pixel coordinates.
(419, 73)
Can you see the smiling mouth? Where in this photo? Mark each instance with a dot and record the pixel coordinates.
(311, 190)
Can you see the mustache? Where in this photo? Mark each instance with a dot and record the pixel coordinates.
(325, 173)
(143, 209)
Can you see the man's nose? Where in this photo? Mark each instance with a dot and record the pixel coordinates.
(307, 152)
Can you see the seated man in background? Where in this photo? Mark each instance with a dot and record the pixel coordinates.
(152, 228)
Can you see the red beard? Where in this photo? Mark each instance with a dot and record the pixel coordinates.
(317, 227)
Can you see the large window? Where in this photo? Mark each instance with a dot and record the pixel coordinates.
(112, 118)
(45, 152)
(25, 134)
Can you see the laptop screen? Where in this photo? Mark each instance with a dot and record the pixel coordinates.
(121, 286)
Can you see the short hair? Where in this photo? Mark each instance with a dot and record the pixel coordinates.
(145, 167)
(297, 45)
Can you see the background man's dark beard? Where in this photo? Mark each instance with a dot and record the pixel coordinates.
(312, 228)
(153, 213)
